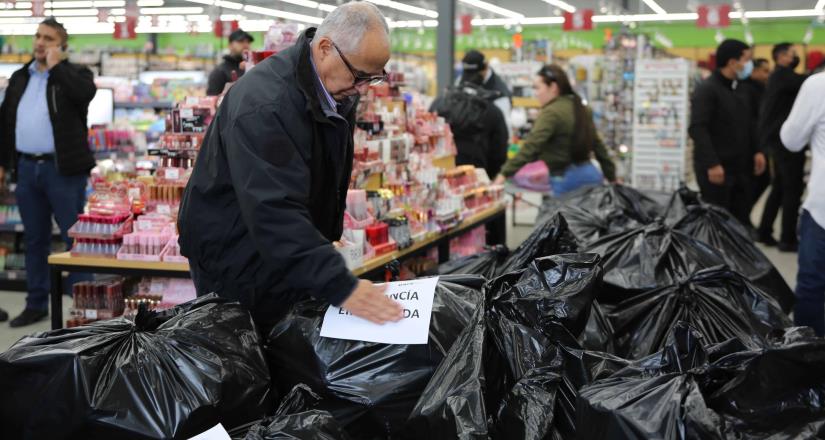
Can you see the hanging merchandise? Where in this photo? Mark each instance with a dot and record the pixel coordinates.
(170, 374)
(720, 303)
(649, 257)
(660, 124)
(369, 388)
(719, 229)
(595, 211)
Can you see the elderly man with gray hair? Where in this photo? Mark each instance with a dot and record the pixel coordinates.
(267, 195)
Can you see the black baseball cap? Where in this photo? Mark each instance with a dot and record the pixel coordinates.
(473, 61)
(240, 35)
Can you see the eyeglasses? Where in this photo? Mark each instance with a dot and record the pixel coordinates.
(360, 78)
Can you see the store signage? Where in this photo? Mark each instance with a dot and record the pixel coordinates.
(38, 8)
(102, 15)
(464, 25)
(581, 20)
(713, 16)
(126, 30)
(415, 297)
(224, 28)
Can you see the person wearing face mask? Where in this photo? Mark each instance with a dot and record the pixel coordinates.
(232, 67)
(268, 191)
(726, 157)
(563, 136)
(787, 184)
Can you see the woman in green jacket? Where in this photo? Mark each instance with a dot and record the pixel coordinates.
(563, 136)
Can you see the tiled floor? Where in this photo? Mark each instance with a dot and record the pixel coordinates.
(13, 302)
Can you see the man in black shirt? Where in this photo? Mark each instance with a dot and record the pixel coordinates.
(758, 82)
(787, 184)
(231, 69)
(725, 158)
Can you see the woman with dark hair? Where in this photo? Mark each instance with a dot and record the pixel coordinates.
(563, 136)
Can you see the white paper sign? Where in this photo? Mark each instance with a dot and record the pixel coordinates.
(216, 433)
(415, 296)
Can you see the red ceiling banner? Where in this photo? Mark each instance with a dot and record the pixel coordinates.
(713, 16)
(224, 28)
(464, 25)
(126, 30)
(581, 20)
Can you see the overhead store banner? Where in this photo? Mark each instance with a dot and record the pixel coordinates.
(38, 8)
(464, 25)
(581, 20)
(713, 16)
(660, 107)
(224, 28)
(126, 30)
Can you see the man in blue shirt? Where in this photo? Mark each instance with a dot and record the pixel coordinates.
(44, 144)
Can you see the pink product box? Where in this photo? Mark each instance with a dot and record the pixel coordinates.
(171, 253)
(142, 247)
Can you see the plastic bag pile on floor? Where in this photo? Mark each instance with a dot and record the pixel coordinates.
(634, 320)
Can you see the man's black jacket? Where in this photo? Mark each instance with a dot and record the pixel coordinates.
(223, 74)
(69, 91)
(722, 124)
(268, 192)
(783, 86)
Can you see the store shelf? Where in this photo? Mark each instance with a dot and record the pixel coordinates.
(13, 275)
(468, 223)
(159, 105)
(66, 260)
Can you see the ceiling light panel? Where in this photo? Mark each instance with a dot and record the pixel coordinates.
(492, 8)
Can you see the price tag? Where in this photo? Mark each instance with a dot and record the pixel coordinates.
(134, 193)
(144, 225)
(18, 228)
(11, 275)
(187, 113)
(164, 209)
(91, 313)
(172, 173)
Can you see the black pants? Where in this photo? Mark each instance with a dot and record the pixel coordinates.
(735, 194)
(786, 192)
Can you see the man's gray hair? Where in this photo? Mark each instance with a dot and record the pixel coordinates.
(347, 24)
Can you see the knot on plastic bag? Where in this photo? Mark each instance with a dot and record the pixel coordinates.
(146, 320)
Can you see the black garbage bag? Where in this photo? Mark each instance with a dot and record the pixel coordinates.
(718, 302)
(596, 211)
(549, 238)
(464, 389)
(718, 228)
(295, 418)
(776, 392)
(369, 388)
(598, 334)
(167, 375)
(484, 263)
(647, 258)
(680, 201)
(655, 398)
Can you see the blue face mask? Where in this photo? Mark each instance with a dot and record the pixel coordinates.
(745, 73)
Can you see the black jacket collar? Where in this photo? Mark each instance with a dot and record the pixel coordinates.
(305, 77)
(729, 84)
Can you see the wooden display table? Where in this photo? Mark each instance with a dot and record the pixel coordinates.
(372, 269)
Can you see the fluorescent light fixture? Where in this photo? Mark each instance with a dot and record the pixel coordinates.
(492, 8)
(684, 16)
(567, 7)
(229, 5)
(787, 13)
(655, 6)
(172, 10)
(283, 14)
(74, 12)
(90, 4)
(405, 8)
(15, 13)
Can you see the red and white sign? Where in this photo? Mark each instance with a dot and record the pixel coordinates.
(581, 20)
(38, 8)
(224, 28)
(126, 30)
(713, 16)
(464, 25)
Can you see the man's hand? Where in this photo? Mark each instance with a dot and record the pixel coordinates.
(369, 302)
(716, 175)
(499, 180)
(759, 164)
(54, 55)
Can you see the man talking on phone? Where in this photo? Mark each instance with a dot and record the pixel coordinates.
(44, 144)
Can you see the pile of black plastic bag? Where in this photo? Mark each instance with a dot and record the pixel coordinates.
(621, 317)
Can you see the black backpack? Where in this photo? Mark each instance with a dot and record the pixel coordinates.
(464, 107)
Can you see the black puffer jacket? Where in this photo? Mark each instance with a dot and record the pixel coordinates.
(268, 192)
(69, 91)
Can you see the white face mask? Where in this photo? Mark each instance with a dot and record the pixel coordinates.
(745, 73)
